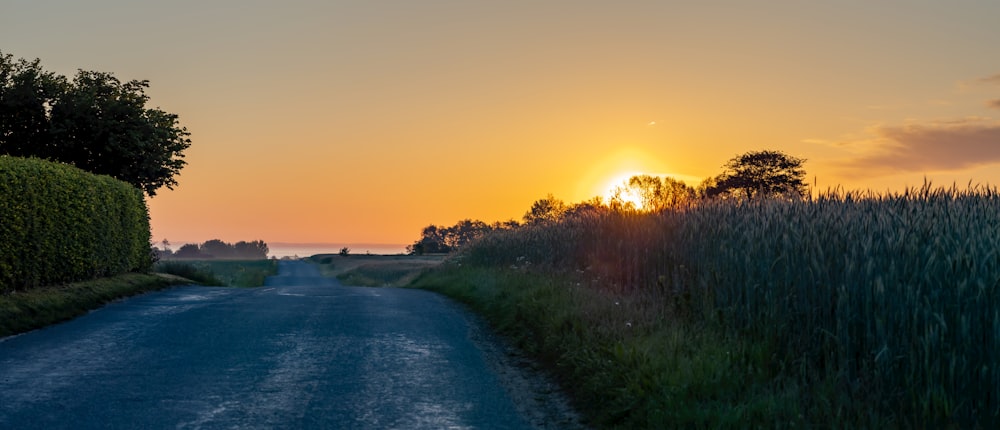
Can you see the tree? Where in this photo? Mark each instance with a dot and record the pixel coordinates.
(547, 209)
(27, 94)
(189, 250)
(251, 250)
(431, 241)
(760, 174)
(217, 249)
(96, 122)
(654, 193)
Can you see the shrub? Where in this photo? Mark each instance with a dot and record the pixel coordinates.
(61, 224)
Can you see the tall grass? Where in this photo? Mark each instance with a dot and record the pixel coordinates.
(874, 309)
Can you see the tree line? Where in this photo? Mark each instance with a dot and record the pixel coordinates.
(93, 121)
(752, 175)
(215, 249)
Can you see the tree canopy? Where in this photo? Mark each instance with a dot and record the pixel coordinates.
(547, 209)
(759, 174)
(215, 248)
(94, 121)
(655, 193)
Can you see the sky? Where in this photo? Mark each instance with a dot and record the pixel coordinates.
(364, 121)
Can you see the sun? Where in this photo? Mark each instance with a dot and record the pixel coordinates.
(618, 188)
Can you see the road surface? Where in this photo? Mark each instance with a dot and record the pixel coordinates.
(300, 352)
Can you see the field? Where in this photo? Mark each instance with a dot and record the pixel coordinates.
(232, 273)
(850, 310)
(375, 270)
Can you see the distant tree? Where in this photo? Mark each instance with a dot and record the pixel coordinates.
(163, 253)
(593, 206)
(431, 242)
(505, 225)
(345, 251)
(252, 250)
(96, 122)
(707, 187)
(544, 210)
(760, 174)
(436, 239)
(655, 193)
(463, 232)
(189, 250)
(217, 249)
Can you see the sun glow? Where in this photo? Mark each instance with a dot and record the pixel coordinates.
(618, 189)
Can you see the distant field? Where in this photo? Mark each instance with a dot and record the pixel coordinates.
(375, 270)
(232, 273)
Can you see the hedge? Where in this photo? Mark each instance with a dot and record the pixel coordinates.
(59, 224)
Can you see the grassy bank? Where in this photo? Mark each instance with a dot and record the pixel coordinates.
(375, 270)
(28, 310)
(36, 308)
(231, 273)
(847, 311)
(624, 358)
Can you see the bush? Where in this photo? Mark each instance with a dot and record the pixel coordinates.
(61, 224)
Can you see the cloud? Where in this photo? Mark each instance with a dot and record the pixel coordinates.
(925, 147)
(995, 79)
(995, 104)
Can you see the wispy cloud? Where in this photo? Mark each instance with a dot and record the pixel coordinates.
(995, 104)
(925, 147)
(995, 79)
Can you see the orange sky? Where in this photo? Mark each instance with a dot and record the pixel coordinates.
(363, 121)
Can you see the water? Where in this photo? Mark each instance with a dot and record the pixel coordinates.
(281, 249)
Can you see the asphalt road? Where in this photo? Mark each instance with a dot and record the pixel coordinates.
(300, 352)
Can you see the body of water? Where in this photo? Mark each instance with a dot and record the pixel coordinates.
(280, 249)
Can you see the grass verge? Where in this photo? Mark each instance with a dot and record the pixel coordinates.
(29, 310)
(625, 361)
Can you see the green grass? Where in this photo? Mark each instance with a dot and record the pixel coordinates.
(27, 310)
(233, 273)
(626, 363)
(39, 307)
(851, 310)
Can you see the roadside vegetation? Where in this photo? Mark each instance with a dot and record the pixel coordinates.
(846, 310)
(856, 310)
(28, 310)
(375, 270)
(231, 273)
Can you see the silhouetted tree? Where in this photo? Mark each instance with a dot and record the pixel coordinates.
(431, 242)
(760, 174)
(464, 232)
(543, 210)
(589, 207)
(217, 249)
(188, 250)
(256, 249)
(95, 122)
(440, 239)
(27, 94)
(655, 193)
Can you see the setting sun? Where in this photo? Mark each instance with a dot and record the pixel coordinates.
(618, 188)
